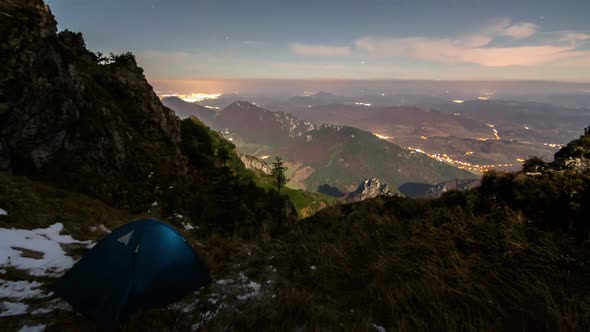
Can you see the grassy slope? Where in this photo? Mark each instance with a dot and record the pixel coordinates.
(32, 205)
(462, 262)
(307, 203)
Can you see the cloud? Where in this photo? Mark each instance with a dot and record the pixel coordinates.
(319, 50)
(573, 37)
(518, 56)
(463, 51)
(521, 31)
(480, 47)
(477, 48)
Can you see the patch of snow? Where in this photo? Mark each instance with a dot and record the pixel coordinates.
(41, 311)
(253, 290)
(379, 328)
(224, 281)
(3, 212)
(187, 226)
(155, 204)
(313, 267)
(34, 328)
(12, 308)
(254, 285)
(20, 289)
(50, 306)
(45, 240)
(100, 228)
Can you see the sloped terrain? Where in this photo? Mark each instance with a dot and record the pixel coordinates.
(338, 157)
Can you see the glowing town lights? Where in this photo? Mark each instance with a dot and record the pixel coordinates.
(520, 160)
(496, 135)
(458, 163)
(469, 153)
(363, 104)
(483, 98)
(525, 127)
(423, 137)
(194, 97)
(458, 101)
(381, 136)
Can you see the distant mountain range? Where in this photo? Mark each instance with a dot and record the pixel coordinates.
(400, 121)
(327, 158)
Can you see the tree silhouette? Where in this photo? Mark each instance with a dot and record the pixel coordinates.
(278, 173)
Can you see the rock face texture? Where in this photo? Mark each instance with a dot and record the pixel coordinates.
(253, 163)
(370, 188)
(576, 155)
(70, 116)
(93, 124)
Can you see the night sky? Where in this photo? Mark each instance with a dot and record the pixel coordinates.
(340, 39)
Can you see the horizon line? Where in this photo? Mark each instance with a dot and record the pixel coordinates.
(372, 80)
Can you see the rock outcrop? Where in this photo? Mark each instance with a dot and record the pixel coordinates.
(576, 155)
(255, 164)
(70, 116)
(370, 188)
(92, 124)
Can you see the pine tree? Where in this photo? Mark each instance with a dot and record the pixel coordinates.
(278, 173)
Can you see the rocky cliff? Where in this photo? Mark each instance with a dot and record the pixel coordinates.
(69, 116)
(255, 164)
(93, 124)
(370, 188)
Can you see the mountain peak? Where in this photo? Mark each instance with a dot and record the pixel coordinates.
(370, 188)
(243, 105)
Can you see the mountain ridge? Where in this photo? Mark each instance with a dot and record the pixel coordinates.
(328, 149)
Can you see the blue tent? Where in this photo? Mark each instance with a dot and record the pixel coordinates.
(142, 264)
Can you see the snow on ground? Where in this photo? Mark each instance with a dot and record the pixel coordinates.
(253, 289)
(34, 328)
(49, 306)
(41, 240)
(3, 212)
(379, 328)
(12, 308)
(187, 226)
(20, 289)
